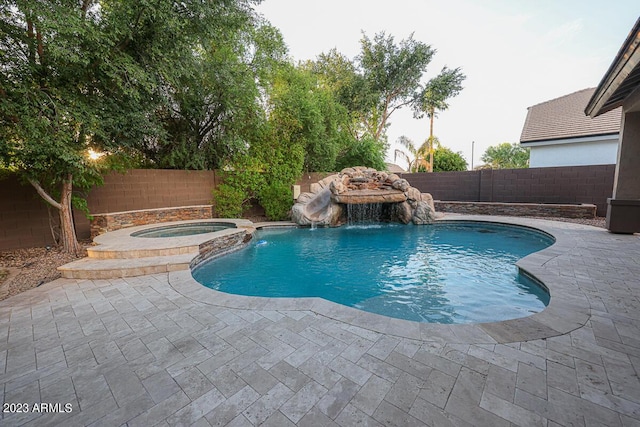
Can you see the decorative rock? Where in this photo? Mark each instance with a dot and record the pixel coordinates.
(325, 205)
(426, 197)
(401, 184)
(392, 178)
(328, 180)
(413, 194)
(305, 197)
(423, 213)
(403, 212)
(298, 214)
(337, 187)
(361, 197)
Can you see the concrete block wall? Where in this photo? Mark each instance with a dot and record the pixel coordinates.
(569, 184)
(462, 186)
(24, 220)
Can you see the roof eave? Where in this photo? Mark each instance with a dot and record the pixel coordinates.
(570, 139)
(627, 59)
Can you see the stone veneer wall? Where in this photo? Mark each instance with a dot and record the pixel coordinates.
(101, 223)
(518, 209)
(221, 245)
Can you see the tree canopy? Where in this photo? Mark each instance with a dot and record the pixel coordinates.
(214, 103)
(434, 96)
(506, 156)
(190, 85)
(446, 160)
(393, 73)
(92, 74)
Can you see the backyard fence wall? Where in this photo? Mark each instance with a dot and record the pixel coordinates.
(568, 184)
(24, 221)
(24, 217)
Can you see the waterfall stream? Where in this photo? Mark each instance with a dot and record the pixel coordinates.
(365, 213)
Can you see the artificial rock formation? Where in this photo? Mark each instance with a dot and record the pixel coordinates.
(328, 202)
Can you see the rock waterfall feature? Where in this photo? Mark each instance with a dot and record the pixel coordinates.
(354, 193)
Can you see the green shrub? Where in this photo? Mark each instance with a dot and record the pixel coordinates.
(276, 199)
(228, 201)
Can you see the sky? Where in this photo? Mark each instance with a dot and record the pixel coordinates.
(515, 54)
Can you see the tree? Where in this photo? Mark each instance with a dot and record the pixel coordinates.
(506, 156)
(306, 115)
(416, 156)
(340, 75)
(433, 98)
(391, 72)
(445, 160)
(81, 75)
(354, 99)
(215, 96)
(365, 151)
(382, 79)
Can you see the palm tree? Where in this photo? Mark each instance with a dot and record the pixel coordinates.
(417, 156)
(433, 98)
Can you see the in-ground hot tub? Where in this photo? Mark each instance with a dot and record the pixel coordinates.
(178, 230)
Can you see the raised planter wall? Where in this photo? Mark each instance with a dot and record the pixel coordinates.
(518, 209)
(102, 223)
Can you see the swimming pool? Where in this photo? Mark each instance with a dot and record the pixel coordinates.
(444, 273)
(178, 230)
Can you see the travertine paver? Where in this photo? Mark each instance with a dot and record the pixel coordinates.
(161, 350)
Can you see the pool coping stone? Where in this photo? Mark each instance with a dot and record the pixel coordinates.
(568, 308)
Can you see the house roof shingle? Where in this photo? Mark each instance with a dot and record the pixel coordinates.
(564, 118)
(392, 167)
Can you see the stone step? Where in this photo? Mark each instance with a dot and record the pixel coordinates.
(92, 268)
(114, 252)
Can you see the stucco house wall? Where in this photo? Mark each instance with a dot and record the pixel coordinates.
(579, 152)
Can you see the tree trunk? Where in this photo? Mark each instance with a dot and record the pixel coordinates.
(67, 229)
(431, 141)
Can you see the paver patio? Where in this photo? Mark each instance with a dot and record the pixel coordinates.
(162, 350)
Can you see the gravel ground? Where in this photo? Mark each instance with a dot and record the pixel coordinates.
(23, 269)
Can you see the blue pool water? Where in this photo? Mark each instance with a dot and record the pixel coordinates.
(444, 273)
